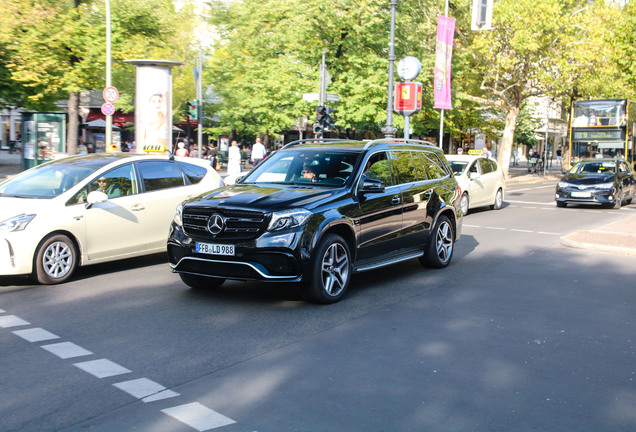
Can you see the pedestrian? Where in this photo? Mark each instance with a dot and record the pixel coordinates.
(194, 151)
(213, 156)
(460, 151)
(181, 150)
(486, 152)
(258, 152)
(234, 159)
(514, 157)
(559, 159)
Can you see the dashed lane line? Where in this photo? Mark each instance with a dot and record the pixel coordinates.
(526, 231)
(195, 415)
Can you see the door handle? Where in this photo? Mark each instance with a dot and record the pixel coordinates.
(138, 207)
(395, 200)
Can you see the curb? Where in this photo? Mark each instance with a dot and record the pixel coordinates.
(619, 250)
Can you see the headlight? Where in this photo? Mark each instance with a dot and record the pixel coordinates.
(178, 215)
(563, 185)
(288, 219)
(16, 223)
(604, 186)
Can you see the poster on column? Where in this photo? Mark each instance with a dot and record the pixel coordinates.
(443, 56)
(153, 108)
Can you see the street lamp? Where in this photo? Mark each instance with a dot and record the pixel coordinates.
(388, 130)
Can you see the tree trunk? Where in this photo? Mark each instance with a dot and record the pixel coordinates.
(73, 123)
(506, 143)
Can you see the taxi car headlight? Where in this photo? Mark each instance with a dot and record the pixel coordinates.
(288, 219)
(563, 185)
(604, 186)
(16, 223)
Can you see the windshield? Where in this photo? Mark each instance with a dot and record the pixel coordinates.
(306, 166)
(458, 167)
(600, 167)
(50, 179)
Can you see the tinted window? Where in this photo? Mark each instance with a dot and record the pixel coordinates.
(402, 166)
(378, 168)
(431, 166)
(419, 171)
(194, 173)
(160, 175)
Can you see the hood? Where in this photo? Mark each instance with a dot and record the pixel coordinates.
(588, 179)
(266, 198)
(10, 206)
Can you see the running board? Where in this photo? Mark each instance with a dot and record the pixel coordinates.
(388, 262)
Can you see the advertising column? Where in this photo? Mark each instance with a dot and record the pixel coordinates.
(153, 105)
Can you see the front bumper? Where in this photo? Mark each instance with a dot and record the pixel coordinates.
(16, 257)
(269, 258)
(587, 196)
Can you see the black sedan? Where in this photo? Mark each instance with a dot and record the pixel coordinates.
(609, 182)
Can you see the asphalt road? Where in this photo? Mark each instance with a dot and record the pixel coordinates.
(519, 333)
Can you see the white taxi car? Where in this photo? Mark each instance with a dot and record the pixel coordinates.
(93, 208)
(481, 179)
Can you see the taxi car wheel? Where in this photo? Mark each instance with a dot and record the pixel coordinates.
(440, 249)
(498, 200)
(330, 271)
(200, 282)
(55, 260)
(464, 203)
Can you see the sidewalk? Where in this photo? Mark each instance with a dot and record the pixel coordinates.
(617, 237)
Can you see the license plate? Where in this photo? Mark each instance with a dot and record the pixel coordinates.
(581, 194)
(215, 249)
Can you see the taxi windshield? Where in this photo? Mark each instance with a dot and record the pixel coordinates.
(48, 180)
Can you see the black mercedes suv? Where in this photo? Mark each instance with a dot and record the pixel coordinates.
(316, 212)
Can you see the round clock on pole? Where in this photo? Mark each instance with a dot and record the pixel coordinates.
(408, 68)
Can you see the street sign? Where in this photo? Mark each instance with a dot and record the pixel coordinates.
(311, 97)
(108, 109)
(333, 97)
(111, 95)
(408, 98)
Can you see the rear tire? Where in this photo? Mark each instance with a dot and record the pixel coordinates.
(201, 282)
(330, 271)
(55, 260)
(464, 203)
(441, 246)
(498, 200)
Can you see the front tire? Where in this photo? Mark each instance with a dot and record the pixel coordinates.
(441, 246)
(200, 282)
(55, 260)
(330, 271)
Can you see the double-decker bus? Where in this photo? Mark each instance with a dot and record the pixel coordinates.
(602, 128)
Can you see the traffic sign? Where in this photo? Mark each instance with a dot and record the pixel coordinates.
(108, 109)
(111, 95)
(408, 98)
(333, 97)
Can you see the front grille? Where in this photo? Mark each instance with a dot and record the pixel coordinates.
(239, 224)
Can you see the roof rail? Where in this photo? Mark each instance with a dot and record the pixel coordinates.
(398, 140)
(314, 140)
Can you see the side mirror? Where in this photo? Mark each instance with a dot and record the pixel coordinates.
(95, 197)
(372, 186)
(474, 175)
(240, 179)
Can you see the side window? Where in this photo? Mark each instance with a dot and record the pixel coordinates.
(120, 181)
(474, 168)
(402, 166)
(485, 165)
(431, 166)
(160, 175)
(419, 171)
(378, 168)
(194, 173)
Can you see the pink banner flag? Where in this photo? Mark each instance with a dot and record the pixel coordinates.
(443, 55)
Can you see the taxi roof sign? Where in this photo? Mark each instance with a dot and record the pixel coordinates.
(154, 148)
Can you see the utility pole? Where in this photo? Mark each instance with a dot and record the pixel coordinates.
(389, 130)
(200, 99)
(109, 118)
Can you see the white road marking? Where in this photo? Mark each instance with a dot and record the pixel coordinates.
(12, 321)
(2, 311)
(66, 350)
(102, 368)
(512, 230)
(146, 390)
(35, 334)
(521, 230)
(198, 416)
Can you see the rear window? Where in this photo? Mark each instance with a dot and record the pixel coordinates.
(194, 173)
(160, 175)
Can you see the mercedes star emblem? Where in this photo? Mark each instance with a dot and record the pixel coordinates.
(216, 223)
